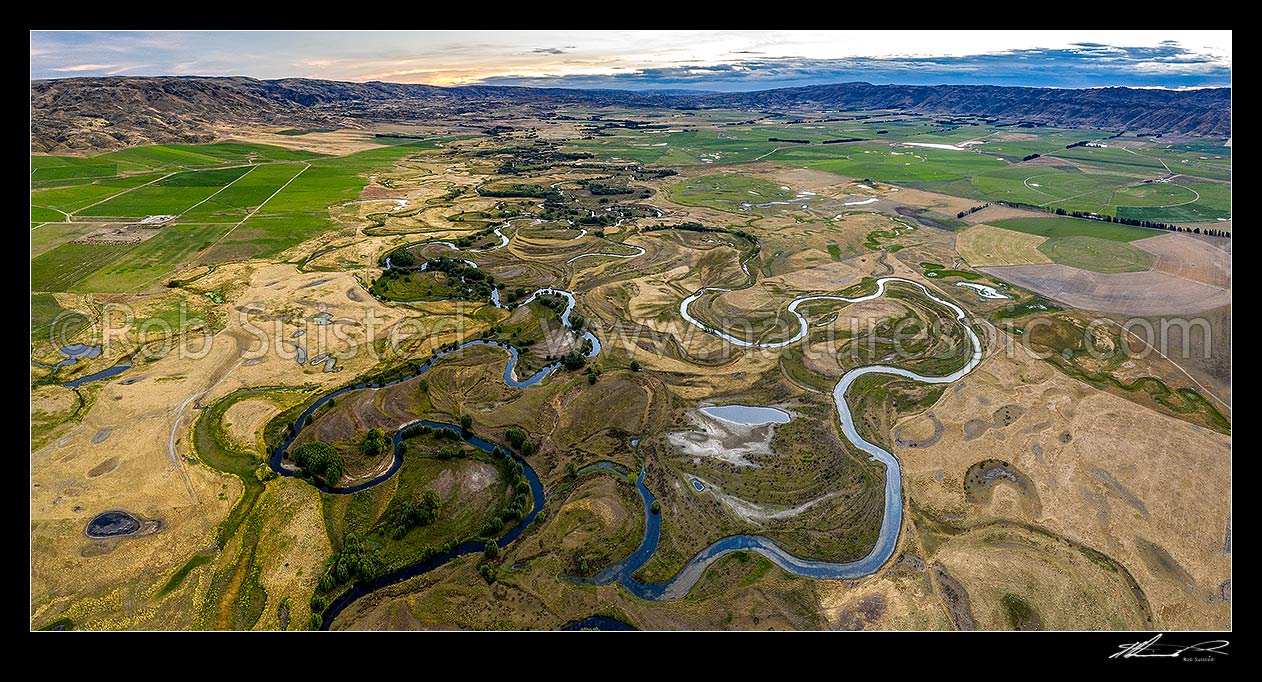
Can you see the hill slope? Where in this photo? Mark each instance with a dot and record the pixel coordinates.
(1189, 112)
(104, 113)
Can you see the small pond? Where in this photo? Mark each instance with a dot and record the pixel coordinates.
(112, 523)
(748, 414)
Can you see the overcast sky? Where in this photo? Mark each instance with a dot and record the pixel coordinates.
(701, 60)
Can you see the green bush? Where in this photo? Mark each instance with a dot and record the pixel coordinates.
(375, 442)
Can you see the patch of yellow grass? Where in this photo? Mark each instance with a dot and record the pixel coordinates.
(983, 245)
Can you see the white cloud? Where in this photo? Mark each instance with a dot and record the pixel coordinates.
(454, 57)
(74, 68)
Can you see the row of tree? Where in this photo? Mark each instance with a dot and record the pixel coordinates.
(1151, 224)
(974, 209)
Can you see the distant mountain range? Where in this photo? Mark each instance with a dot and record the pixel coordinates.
(1201, 113)
(80, 114)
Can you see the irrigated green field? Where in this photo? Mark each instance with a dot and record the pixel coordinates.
(75, 198)
(147, 263)
(1142, 179)
(47, 316)
(894, 164)
(69, 264)
(171, 195)
(231, 201)
(235, 202)
(1059, 226)
(1096, 254)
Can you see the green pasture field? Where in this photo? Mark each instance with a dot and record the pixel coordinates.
(188, 156)
(1204, 148)
(151, 261)
(1190, 213)
(45, 312)
(40, 214)
(1042, 141)
(1142, 159)
(1194, 166)
(153, 161)
(898, 164)
(1212, 198)
(1119, 159)
(49, 169)
(722, 144)
(68, 264)
(1061, 226)
(171, 195)
(49, 236)
(1056, 187)
(73, 198)
(300, 210)
(1105, 193)
(684, 147)
(1096, 254)
(727, 191)
(1105, 180)
(255, 211)
(234, 203)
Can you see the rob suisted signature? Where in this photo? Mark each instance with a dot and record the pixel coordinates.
(1153, 648)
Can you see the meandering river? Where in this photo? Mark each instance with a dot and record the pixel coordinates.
(891, 522)
(683, 581)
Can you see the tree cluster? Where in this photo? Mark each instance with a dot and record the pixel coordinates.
(374, 442)
(520, 440)
(320, 459)
(409, 515)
